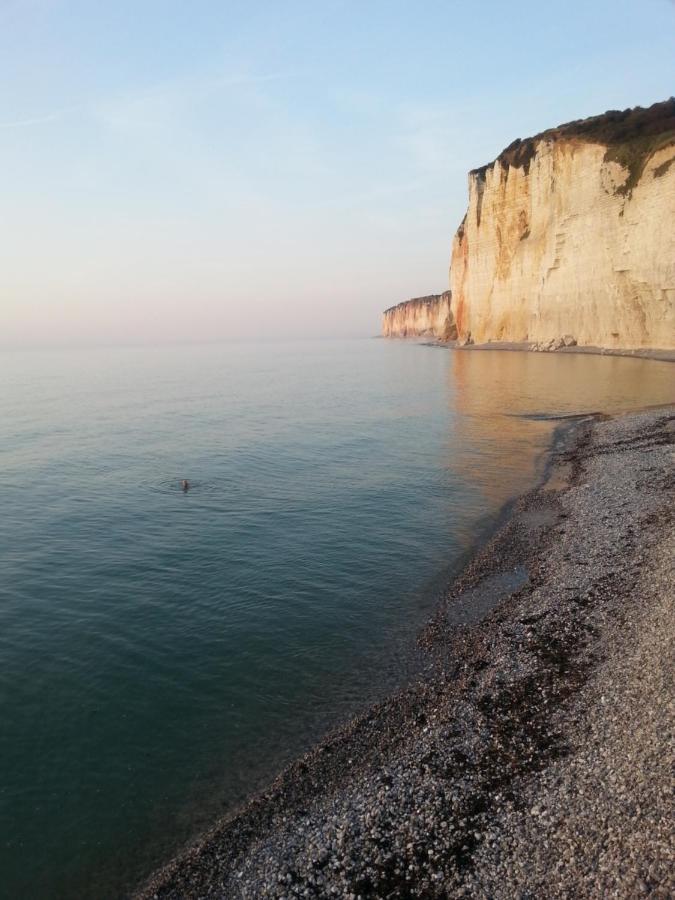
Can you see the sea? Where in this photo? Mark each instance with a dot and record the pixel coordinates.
(164, 653)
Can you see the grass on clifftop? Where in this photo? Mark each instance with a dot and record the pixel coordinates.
(631, 136)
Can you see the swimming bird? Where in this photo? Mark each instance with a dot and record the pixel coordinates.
(185, 484)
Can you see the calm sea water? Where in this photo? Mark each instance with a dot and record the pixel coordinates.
(161, 653)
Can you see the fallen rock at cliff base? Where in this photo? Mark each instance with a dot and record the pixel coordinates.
(554, 344)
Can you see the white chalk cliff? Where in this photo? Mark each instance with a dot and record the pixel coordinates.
(429, 316)
(571, 232)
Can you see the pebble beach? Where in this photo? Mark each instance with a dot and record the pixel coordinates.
(533, 757)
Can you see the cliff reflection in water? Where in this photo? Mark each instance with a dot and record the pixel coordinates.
(506, 403)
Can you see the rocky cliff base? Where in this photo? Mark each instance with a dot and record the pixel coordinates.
(557, 346)
(533, 759)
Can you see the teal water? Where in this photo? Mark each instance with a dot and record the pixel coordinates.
(162, 653)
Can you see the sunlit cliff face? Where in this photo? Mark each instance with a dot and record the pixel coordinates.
(421, 317)
(560, 247)
(569, 238)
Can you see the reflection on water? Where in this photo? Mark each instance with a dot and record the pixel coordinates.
(493, 383)
(506, 403)
(163, 653)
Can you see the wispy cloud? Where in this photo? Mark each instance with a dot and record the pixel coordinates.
(45, 119)
(156, 105)
(151, 99)
(37, 120)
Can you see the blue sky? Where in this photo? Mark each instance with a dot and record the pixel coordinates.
(206, 170)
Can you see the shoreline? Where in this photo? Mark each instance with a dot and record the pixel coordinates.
(417, 796)
(659, 355)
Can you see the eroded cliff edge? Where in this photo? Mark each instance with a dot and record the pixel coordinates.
(573, 232)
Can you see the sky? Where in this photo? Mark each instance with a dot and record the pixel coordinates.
(211, 170)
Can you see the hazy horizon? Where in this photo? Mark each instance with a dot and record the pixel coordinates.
(227, 171)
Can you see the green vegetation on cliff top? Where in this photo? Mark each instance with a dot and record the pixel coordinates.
(631, 136)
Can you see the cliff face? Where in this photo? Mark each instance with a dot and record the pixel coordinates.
(573, 232)
(422, 316)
